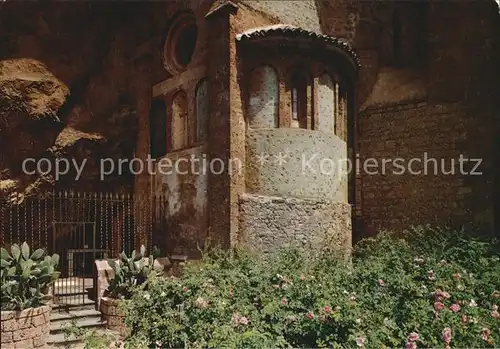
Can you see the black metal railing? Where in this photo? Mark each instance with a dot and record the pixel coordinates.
(81, 227)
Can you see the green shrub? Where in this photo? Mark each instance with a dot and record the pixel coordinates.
(26, 277)
(425, 288)
(130, 272)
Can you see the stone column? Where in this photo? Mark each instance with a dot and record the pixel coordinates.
(226, 130)
(142, 185)
(219, 185)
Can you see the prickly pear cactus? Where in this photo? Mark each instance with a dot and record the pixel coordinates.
(26, 277)
(131, 272)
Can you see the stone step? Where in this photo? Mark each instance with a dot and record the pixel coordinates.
(59, 340)
(79, 304)
(88, 322)
(70, 292)
(56, 316)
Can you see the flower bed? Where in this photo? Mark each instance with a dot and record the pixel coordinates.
(434, 288)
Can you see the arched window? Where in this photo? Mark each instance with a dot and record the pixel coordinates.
(342, 113)
(326, 104)
(301, 93)
(201, 110)
(158, 128)
(179, 121)
(263, 101)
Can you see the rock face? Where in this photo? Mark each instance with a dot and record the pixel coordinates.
(66, 92)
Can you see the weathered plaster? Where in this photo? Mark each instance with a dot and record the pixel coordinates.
(309, 169)
(301, 13)
(264, 96)
(185, 186)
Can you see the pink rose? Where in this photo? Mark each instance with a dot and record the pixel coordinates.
(185, 289)
(284, 301)
(440, 295)
(485, 334)
(495, 314)
(457, 276)
(413, 337)
(327, 309)
(302, 277)
(411, 345)
(494, 307)
(243, 320)
(465, 319)
(438, 306)
(309, 315)
(431, 275)
(446, 335)
(455, 307)
(381, 282)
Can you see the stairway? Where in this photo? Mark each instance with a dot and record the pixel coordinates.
(72, 306)
(84, 316)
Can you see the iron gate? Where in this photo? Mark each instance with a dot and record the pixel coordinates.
(81, 228)
(75, 243)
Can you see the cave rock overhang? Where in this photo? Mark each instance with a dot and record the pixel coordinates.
(282, 39)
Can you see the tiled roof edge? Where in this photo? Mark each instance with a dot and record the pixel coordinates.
(290, 30)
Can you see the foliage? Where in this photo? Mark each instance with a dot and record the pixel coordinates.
(26, 277)
(91, 338)
(130, 272)
(424, 288)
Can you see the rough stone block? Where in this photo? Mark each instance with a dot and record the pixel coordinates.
(24, 344)
(38, 320)
(27, 333)
(40, 341)
(269, 223)
(16, 324)
(7, 337)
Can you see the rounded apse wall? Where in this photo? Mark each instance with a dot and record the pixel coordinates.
(296, 163)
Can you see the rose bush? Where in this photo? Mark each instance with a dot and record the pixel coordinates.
(423, 288)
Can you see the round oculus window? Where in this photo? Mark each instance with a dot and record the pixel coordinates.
(180, 44)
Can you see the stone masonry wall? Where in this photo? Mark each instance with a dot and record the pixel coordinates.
(25, 329)
(443, 131)
(269, 223)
